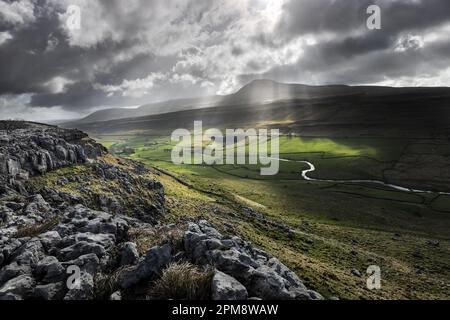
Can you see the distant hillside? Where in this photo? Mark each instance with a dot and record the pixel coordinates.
(256, 92)
(150, 109)
(311, 111)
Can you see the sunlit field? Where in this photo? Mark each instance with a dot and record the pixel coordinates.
(335, 227)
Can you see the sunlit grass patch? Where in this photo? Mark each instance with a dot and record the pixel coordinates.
(107, 143)
(311, 145)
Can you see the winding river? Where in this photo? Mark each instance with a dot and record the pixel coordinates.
(312, 168)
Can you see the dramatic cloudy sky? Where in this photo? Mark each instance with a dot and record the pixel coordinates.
(137, 51)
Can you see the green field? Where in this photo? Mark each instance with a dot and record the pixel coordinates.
(333, 227)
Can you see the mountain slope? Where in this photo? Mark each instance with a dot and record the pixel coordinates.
(149, 109)
(357, 111)
(253, 101)
(256, 92)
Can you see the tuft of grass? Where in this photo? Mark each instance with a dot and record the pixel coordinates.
(183, 281)
(37, 229)
(146, 239)
(106, 284)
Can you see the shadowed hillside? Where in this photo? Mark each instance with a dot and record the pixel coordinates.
(341, 111)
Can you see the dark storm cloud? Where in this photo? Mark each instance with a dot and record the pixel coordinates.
(78, 95)
(40, 52)
(312, 17)
(23, 58)
(116, 46)
(133, 68)
(346, 51)
(135, 52)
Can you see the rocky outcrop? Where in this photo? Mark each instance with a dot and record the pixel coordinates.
(119, 188)
(33, 150)
(38, 258)
(28, 149)
(262, 275)
(35, 262)
(74, 219)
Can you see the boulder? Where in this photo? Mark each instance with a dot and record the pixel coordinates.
(13, 270)
(233, 261)
(9, 246)
(49, 269)
(102, 239)
(148, 267)
(88, 263)
(50, 239)
(37, 204)
(29, 253)
(81, 248)
(266, 284)
(224, 287)
(17, 288)
(51, 291)
(128, 254)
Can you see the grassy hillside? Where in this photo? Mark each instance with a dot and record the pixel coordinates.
(324, 231)
(328, 232)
